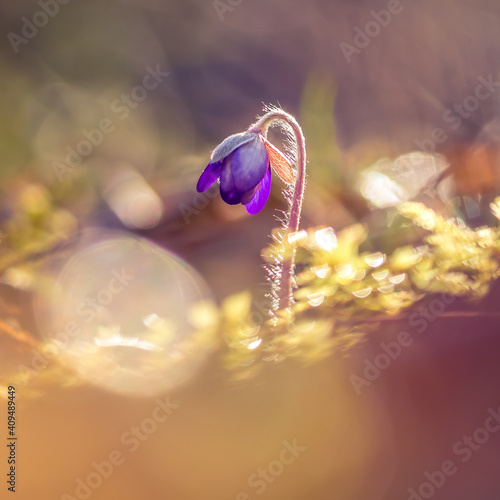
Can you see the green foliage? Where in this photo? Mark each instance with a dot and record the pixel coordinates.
(342, 291)
(35, 228)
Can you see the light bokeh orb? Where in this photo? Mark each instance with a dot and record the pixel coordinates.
(126, 314)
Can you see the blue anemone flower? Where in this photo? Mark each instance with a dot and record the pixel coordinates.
(242, 163)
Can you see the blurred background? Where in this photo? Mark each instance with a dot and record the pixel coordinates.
(108, 114)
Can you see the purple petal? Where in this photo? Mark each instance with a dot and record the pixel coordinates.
(226, 176)
(249, 164)
(228, 191)
(256, 204)
(231, 197)
(209, 176)
(248, 195)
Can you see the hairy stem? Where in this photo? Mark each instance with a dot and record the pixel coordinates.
(279, 117)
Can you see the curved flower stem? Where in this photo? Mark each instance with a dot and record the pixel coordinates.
(279, 117)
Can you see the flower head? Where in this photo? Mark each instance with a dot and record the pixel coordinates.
(243, 164)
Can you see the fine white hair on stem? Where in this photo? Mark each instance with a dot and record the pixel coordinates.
(282, 275)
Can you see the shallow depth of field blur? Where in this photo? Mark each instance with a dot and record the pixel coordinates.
(108, 114)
